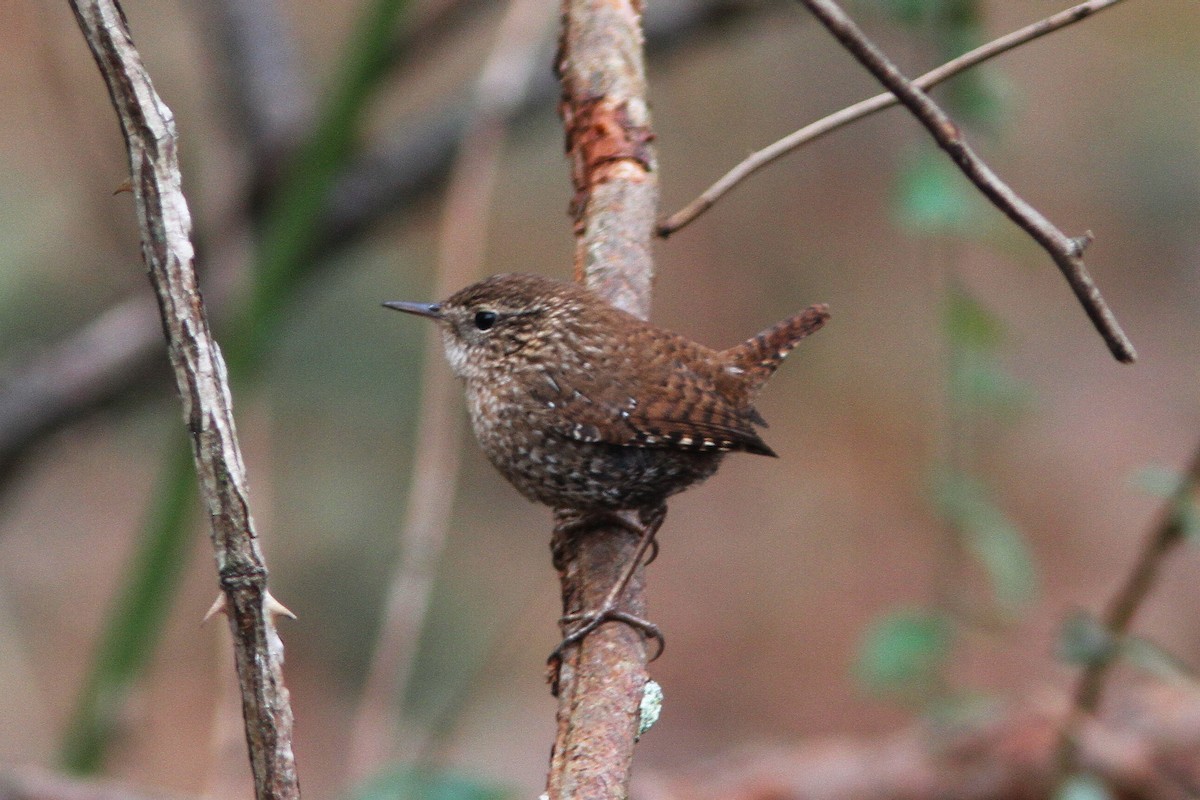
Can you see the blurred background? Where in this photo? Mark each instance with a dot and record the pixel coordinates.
(963, 466)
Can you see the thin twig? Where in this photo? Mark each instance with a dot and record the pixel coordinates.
(600, 681)
(1167, 535)
(200, 374)
(1065, 251)
(865, 108)
(463, 236)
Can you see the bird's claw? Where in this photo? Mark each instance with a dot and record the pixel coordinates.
(592, 621)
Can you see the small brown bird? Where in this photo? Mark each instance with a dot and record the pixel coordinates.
(584, 407)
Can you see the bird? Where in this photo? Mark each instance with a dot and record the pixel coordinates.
(591, 410)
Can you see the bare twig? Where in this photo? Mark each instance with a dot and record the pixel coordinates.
(165, 223)
(1065, 251)
(1167, 535)
(498, 96)
(865, 108)
(613, 169)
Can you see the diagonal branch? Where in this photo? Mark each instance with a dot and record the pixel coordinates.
(864, 108)
(1065, 251)
(1169, 534)
(200, 374)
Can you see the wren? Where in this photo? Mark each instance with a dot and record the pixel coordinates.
(586, 408)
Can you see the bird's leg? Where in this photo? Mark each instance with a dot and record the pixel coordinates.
(572, 523)
(569, 523)
(609, 610)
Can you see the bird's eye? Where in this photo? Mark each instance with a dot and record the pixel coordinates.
(485, 319)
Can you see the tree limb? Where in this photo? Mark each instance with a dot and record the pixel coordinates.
(1066, 252)
(600, 681)
(200, 374)
(809, 133)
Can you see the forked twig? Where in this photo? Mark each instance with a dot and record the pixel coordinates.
(809, 133)
(1066, 252)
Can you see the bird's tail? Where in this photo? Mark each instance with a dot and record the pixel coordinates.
(758, 356)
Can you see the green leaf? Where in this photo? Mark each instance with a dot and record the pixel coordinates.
(1156, 660)
(1084, 641)
(904, 652)
(935, 198)
(907, 12)
(975, 336)
(991, 537)
(1083, 786)
(409, 783)
(1171, 485)
(944, 15)
(977, 98)
(1157, 480)
(969, 323)
(982, 382)
(1189, 518)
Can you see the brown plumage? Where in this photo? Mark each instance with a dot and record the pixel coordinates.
(585, 407)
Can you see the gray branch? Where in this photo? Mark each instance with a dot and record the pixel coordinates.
(200, 375)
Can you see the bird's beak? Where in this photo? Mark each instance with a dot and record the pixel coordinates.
(431, 310)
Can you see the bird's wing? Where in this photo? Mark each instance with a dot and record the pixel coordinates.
(655, 402)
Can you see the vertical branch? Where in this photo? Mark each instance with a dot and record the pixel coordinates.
(165, 222)
(614, 174)
(613, 167)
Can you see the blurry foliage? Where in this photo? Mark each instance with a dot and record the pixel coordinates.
(1156, 661)
(977, 380)
(1168, 484)
(991, 538)
(908, 654)
(903, 652)
(1084, 641)
(934, 197)
(290, 226)
(1083, 786)
(406, 783)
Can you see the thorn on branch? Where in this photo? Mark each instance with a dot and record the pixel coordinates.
(1081, 243)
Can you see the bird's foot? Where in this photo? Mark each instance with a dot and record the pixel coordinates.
(651, 520)
(594, 619)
